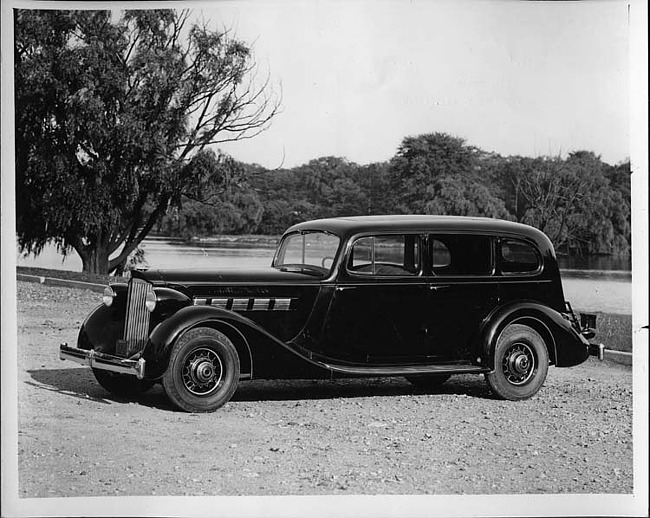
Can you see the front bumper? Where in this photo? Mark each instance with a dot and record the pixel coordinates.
(103, 361)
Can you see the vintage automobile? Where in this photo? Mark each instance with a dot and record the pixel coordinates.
(423, 297)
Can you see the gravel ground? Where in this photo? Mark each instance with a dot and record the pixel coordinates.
(377, 436)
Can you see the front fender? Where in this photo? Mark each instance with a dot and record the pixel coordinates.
(165, 334)
(104, 326)
(169, 301)
(101, 330)
(566, 347)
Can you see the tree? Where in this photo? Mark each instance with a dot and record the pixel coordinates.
(228, 205)
(316, 178)
(114, 117)
(375, 181)
(439, 174)
(601, 222)
(459, 197)
(557, 194)
(619, 177)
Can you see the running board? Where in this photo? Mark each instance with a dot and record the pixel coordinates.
(407, 370)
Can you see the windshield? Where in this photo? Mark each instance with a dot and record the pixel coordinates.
(307, 251)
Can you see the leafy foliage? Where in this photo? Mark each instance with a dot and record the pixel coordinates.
(439, 174)
(113, 117)
(582, 203)
(572, 200)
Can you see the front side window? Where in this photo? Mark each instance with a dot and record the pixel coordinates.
(458, 254)
(392, 255)
(518, 257)
(310, 251)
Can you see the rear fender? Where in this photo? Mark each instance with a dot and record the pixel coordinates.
(564, 344)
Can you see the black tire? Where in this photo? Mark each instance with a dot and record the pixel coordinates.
(428, 381)
(122, 385)
(520, 363)
(203, 371)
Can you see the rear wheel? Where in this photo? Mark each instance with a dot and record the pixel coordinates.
(520, 363)
(428, 381)
(203, 371)
(122, 385)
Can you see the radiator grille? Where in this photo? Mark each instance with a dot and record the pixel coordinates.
(136, 326)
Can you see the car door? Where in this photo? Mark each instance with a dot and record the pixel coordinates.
(462, 290)
(378, 307)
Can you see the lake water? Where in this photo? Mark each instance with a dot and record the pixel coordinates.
(599, 289)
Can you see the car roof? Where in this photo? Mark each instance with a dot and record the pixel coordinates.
(345, 227)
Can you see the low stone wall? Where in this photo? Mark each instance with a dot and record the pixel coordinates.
(65, 283)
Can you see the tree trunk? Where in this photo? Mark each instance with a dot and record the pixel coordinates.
(94, 260)
(119, 269)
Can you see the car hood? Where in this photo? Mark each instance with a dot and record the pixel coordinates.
(226, 276)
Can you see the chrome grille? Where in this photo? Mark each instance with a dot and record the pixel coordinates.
(136, 326)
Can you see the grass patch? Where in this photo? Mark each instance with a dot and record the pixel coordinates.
(615, 331)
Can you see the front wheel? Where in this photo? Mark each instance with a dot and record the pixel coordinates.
(203, 371)
(520, 363)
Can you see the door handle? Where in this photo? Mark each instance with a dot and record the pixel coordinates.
(438, 287)
(343, 288)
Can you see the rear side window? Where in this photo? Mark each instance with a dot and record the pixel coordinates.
(440, 254)
(460, 255)
(394, 255)
(518, 257)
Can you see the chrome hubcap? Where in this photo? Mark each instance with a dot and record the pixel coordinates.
(519, 364)
(202, 372)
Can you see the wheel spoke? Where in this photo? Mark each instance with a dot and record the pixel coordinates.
(518, 363)
(202, 372)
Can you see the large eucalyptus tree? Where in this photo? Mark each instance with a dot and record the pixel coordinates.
(115, 116)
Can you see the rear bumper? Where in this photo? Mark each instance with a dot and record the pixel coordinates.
(597, 350)
(103, 361)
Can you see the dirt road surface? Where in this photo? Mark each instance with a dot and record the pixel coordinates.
(309, 438)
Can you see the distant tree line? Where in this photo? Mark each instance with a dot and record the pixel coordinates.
(580, 202)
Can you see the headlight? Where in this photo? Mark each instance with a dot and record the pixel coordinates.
(109, 295)
(150, 301)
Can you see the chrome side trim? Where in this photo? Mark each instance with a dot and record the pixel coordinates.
(240, 304)
(246, 304)
(261, 304)
(282, 304)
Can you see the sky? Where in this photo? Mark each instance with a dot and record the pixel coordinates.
(356, 77)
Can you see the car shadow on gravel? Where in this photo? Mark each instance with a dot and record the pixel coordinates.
(295, 390)
(81, 384)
